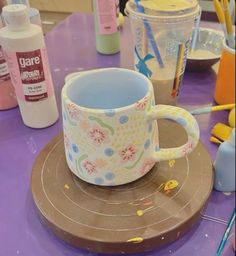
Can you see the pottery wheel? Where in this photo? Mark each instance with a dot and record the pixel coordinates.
(136, 217)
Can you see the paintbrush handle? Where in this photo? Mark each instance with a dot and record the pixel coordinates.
(226, 235)
(211, 109)
(229, 25)
(150, 35)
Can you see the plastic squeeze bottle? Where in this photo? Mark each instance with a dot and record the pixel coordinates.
(7, 92)
(225, 166)
(24, 48)
(106, 13)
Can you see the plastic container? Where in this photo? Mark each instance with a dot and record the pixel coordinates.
(7, 92)
(26, 55)
(162, 30)
(106, 13)
(225, 82)
(225, 166)
(25, 2)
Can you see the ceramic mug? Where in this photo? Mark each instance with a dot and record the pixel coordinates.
(110, 126)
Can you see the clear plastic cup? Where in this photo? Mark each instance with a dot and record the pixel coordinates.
(162, 30)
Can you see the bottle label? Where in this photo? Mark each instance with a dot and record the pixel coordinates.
(30, 74)
(4, 72)
(108, 12)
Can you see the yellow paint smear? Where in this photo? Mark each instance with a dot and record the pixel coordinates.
(171, 184)
(66, 186)
(140, 213)
(172, 163)
(135, 240)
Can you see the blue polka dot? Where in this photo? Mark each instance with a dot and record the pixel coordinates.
(75, 148)
(110, 112)
(124, 119)
(147, 144)
(99, 181)
(157, 149)
(70, 157)
(109, 152)
(150, 128)
(110, 176)
(181, 121)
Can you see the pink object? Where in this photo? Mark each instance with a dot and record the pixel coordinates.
(30, 71)
(107, 19)
(7, 92)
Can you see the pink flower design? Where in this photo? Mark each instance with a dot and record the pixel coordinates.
(147, 166)
(66, 141)
(98, 135)
(128, 153)
(188, 148)
(84, 126)
(73, 111)
(89, 166)
(141, 105)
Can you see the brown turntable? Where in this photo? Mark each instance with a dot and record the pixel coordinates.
(152, 211)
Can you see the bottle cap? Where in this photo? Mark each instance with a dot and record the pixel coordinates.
(232, 137)
(16, 16)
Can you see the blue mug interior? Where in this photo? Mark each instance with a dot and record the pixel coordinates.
(108, 88)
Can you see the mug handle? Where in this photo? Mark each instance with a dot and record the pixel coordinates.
(183, 118)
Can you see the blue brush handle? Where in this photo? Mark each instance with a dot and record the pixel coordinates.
(150, 35)
(226, 235)
(201, 111)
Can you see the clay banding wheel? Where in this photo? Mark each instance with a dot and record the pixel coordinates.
(132, 218)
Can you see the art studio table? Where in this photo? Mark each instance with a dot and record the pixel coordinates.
(71, 47)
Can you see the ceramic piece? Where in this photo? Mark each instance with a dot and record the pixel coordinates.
(109, 122)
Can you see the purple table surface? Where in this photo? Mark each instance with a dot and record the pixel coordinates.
(71, 47)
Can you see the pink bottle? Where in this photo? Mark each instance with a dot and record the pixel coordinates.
(7, 92)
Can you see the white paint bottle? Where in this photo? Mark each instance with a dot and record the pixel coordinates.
(25, 52)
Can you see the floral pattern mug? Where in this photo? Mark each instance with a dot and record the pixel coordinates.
(110, 126)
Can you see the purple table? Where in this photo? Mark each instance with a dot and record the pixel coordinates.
(71, 47)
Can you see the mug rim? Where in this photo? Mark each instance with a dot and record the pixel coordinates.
(99, 110)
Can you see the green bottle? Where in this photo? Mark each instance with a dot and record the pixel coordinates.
(106, 14)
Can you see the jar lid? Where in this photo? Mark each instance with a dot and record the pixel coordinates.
(163, 9)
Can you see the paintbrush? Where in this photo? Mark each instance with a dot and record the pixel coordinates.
(229, 25)
(212, 109)
(150, 35)
(226, 234)
(221, 16)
